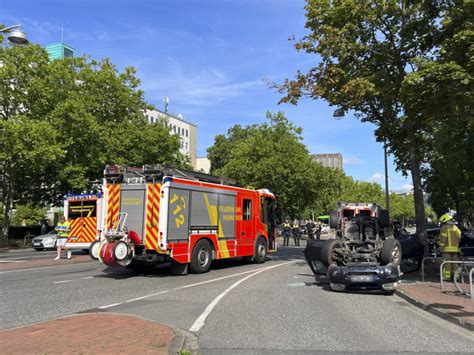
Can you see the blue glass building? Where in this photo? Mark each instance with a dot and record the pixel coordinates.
(59, 51)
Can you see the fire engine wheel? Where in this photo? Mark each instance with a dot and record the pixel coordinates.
(260, 251)
(201, 258)
(121, 251)
(94, 250)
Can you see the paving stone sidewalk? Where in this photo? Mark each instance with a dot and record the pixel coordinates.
(448, 303)
(94, 333)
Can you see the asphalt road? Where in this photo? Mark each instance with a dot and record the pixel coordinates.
(237, 307)
(30, 254)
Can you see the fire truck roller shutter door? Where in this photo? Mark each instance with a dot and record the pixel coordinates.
(178, 215)
(203, 219)
(132, 202)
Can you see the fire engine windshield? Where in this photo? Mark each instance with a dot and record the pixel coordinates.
(78, 209)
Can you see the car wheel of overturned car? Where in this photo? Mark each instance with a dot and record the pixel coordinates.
(94, 250)
(391, 252)
(260, 251)
(327, 251)
(333, 219)
(201, 257)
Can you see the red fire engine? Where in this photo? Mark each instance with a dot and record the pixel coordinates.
(157, 214)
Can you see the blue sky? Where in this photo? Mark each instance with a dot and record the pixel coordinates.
(211, 58)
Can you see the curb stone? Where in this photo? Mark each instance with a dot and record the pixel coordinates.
(183, 340)
(420, 304)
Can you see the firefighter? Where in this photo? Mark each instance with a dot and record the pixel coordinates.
(286, 233)
(448, 241)
(296, 233)
(63, 229)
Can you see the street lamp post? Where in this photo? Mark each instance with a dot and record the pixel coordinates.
(338, 114)
(16, 35)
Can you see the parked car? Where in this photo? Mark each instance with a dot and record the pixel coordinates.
(45, 241)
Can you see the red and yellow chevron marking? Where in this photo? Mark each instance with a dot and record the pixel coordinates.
(152, 215)
(113, 204)
(84, 229)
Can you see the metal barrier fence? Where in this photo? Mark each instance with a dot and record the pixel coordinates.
(471, 287)
(462, 262)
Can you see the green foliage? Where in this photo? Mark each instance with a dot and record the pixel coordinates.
(382, 60)
(28, 214)
(271, 155)
(61, 122)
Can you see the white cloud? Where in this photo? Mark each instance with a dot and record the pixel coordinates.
(379, 178)
(407, 187)
(352, 160)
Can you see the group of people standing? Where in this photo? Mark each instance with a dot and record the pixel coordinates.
(294, 229)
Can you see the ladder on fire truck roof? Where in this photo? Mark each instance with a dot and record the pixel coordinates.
(156, 172)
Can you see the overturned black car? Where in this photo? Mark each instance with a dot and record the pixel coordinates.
(363, 256)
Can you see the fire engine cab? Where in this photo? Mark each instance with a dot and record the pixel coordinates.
(157, 214)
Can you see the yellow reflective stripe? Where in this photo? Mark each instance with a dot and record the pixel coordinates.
(213, 218)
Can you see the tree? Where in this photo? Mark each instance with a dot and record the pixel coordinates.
(28, 214)
(63, 121)
(269, 155)
(367, 50)
(441, 91)
(27, 138)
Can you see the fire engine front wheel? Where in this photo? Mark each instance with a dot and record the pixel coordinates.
(201, 258)
(260, 251)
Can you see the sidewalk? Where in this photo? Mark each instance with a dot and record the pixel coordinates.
(97, 333)
(448, 303)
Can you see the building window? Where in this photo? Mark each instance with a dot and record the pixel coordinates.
(174, 128)
(152, 119)
(186, 133)
(247, 210)
(186, 145)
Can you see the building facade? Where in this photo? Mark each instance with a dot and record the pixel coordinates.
(59, 51)
(330, 160)
(186, 131)
(203, 165)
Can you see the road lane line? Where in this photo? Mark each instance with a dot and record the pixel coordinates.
(62, 281)
(199, 323)
(191, 285)
(87, 277)
(109, 305)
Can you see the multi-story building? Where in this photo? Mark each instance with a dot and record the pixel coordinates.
(59, 51)
(186, 131)
(203, 165)
(330, 160)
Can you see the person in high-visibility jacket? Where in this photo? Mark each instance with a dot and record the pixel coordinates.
(448, 240)
(63, 229)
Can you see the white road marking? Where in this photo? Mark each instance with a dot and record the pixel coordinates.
(191, 285)
(199, 323)
(87, 278)
(12, 261)
(62, 281)
(110, 305)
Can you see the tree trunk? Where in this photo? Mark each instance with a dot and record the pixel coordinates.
(7, 206)
(421, 235)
